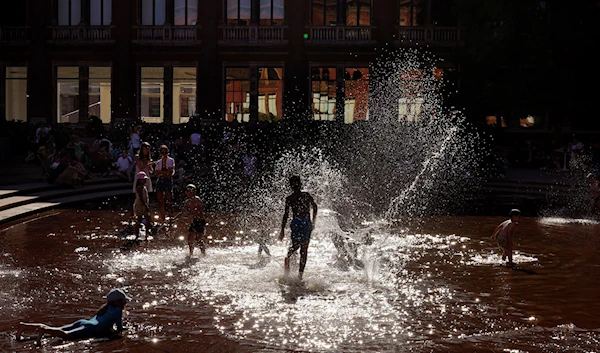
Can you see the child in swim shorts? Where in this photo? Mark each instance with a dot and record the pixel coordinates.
(503, 234)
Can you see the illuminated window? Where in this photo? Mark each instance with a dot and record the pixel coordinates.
(16, 93)
(411, 101)
(356, 94)
(100, 12)
(68, 94)
(324, 12)
(99, 93)
(238, 12)
(270, 93)
(152, 89)
(69, 12)
(412, 13)
(323, 82)
(153, 12)
(186, 12)
(358, 12)
(271, 12)
(184, 94)
(237, 94)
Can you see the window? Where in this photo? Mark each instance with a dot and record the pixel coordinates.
(69, 12)
(324, 12)
(238, 12)
(186, 12)
(153, 12)
(100, 12)
(323, 89)
(237, 94)
(16, 93)
(152, 99)
(270, 93)
(271, 12)
(67, 78)
(99, 93)
(184, 94)
(412, 13)
(411, 100)
(356, 94)
(358, 12)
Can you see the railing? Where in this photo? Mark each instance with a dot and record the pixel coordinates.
(253, 34)
(166, 33)
(442, 35)
(13, 34)
(340, 34)
(82, 33)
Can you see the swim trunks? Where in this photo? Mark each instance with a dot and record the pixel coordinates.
(502, 240)
(164, 184)
(197, 226)
(301, 229)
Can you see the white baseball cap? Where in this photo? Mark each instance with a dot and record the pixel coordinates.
(116, 294)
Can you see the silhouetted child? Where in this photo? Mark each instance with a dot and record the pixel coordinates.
(302, 225)
(101, 325)
(193, 211)
(261, 237)
(141, 208)
(503, 234)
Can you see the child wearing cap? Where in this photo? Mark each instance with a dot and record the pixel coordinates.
(141, 209)
(503, 234)
(101, 325)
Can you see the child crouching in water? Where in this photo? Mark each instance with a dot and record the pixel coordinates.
(503, 234)
(101, 325)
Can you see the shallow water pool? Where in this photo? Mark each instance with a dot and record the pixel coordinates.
(436, 287)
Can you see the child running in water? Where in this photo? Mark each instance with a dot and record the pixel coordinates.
(301, 225)
(193, 209)
(101, 325)
(503, 234)
(141, 209)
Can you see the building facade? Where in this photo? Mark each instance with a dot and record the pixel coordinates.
(62, 61)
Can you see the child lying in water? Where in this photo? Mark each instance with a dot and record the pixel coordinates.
(101, 325)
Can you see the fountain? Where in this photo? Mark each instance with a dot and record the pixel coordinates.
(419, 275)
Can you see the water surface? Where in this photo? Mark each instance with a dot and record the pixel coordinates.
(439, 286)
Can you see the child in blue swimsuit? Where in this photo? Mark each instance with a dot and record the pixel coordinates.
(101, 325)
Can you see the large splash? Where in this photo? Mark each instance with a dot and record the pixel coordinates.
(414, 157)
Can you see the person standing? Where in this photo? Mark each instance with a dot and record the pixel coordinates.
(143, 163)
(165, 169)
(193, 211)
(300, 203)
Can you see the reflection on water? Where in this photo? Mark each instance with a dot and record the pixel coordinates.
(441, 287)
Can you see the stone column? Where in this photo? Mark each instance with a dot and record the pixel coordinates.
(167, 97)
(105, 102)
(176, 107)
(84, 96)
